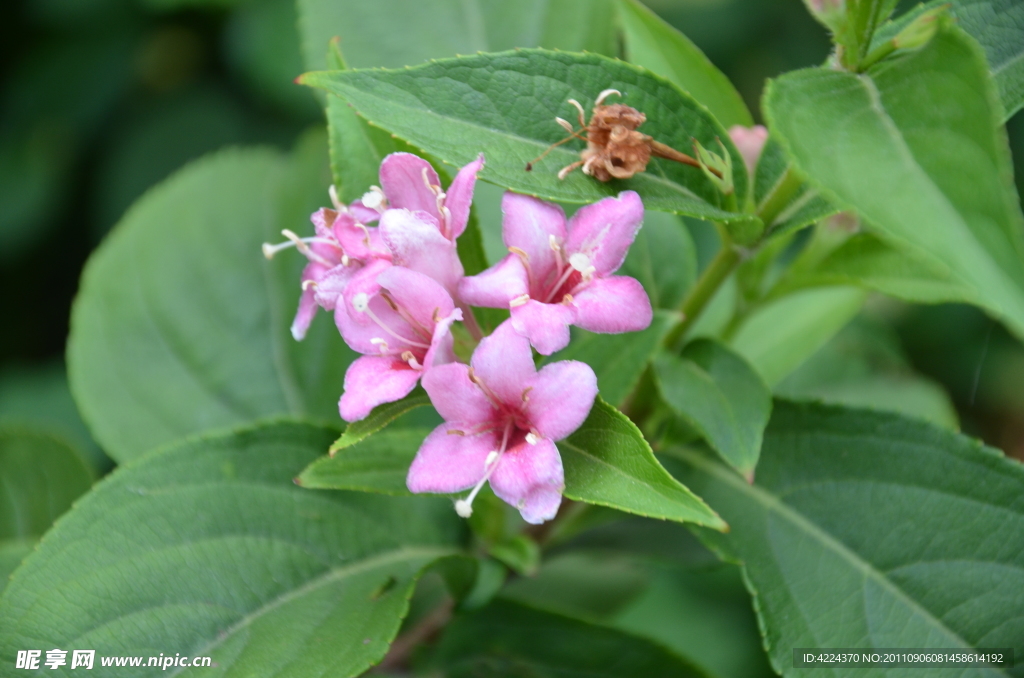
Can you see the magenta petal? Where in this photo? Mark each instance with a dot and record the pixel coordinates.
(418, 295)
(545, 325)
(455, 397)
(605, 230)
(417, 243)
(496, 286)
(504, 363)
(613, 305)
(530, 477)
(528, 224)
(403, 181)
(449, 463)
(460, 196)
(561, 398)
(304, 316)
(372, 380)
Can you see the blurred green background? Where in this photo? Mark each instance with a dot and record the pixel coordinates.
(101, 99)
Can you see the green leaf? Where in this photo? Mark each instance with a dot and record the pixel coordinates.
(510, 639)
(42, 475)
(181, 325)
(456, 108)
(654, 44)
(914, 146)
(520, 553)
(377, 464)
(779, 336)
(804, 207)
(998, 26)
(381, 416)
(618, 360)
(870, 530)
(608, 462)
(12, 552)
(207, 547)
(721, 396)
(664, 259)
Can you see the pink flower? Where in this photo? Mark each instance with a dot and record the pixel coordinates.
(410, 183)
(749, 142)
(502, 418)
(557, 275)
(401, 324)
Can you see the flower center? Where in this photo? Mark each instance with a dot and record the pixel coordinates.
(361, 303)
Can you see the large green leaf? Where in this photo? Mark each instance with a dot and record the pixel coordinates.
(377, 464)
(721, 396)
(380, 417)
(505, 104)
(914, 146)
(515, 641)
(207, 548)
(870, 530)
(998, 26)
(618, 360)
(654, 44)
(181, 325)
(608, 462)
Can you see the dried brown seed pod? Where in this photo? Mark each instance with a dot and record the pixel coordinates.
(615, 149)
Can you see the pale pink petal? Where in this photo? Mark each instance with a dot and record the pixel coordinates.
(441, 350)
(405, 185)
(364, 281)
(561, 398)
(420, 296)
(455, 397)
(330, 285)
(613, 305)
(504, 363)
(363, 334)
(362, 213)
(545, 325)
(359, 241)
(304, 316)
(322, 220)
(605, 230)
(416, 243)
(528, 224)
(530, 477)
(460, 196)
(749, 142)
(496, 286)
(373, 380)
(449, 463)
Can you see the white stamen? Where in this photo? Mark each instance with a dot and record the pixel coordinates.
(579, 108)
(300, 245)
(566, 125)
(361, 302)
(519, 301)
(373, 198)
(408, 357)
(436, 190)
(464, 507)
(532, 439)
(604, 94)
(381, 345)
(306, 284)
(338, 205)
(553, 243)
(270, 250)
(581, 262)
(491, 456)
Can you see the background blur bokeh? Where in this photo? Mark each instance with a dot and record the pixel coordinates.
(101, 99)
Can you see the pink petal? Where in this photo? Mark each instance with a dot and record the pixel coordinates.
(460, 196)
(605, 230)
(330, 285)
(421, 297)
(403, 182)
(545, 325)
(322, 220)
(530, 477)
(361, 332)
(372, 380)
(449, 463)
(359, 241)
(416, 243)
(749, 142)
(364, 281)
(613, 305)
(496, 286)
(455, 397)
(528, 224)
(304, 316)
(362, 213)
(441, 351)
(504, 363)
(561, 398)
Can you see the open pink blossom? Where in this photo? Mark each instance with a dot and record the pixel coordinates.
(558, 275)
(502, 418)
(409, 182)
(749, 142)
(401, 326)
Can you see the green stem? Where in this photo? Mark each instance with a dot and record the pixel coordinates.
(880, 52)
(779, 197)
(711, 279)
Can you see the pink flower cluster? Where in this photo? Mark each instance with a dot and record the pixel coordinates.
(397, 287)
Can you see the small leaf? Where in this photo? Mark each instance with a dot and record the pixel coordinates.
(381, 416)
(207, 547)
(376, 464)
(510, 639)
(608, 462)
(654, 44)
(870, 530)
(618, 359)
(721, 396)
(457, 108)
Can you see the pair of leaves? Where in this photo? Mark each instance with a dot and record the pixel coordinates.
(871, 530)
(207, 548)
(914, 146)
